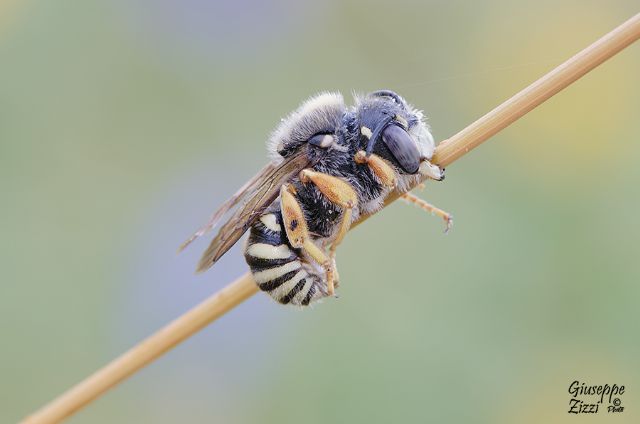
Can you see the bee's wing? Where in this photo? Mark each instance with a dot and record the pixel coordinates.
(246, 189)
(254, 197)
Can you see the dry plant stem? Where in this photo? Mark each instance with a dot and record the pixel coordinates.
(241, 289)
(538, 92)
(146, 351)
(535, 94)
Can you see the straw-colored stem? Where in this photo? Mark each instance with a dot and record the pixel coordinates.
(146, 351)
(447, 152)
(535, 94)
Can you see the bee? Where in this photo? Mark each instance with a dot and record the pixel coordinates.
(330, 164)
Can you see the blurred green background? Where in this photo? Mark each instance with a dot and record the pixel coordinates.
(123, 124)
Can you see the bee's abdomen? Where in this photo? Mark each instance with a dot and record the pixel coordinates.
(276, 267)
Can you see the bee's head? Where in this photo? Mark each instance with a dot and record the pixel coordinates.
(393, 129)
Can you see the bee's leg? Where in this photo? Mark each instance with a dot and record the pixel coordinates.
(336, 275)
(298, 232)
(448, 219)
(379, 167)
(339, 193)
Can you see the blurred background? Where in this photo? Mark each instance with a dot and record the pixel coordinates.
(123, 124)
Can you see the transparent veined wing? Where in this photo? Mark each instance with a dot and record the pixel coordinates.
(250, 202)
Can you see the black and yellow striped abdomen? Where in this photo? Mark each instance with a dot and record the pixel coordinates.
(277, 268)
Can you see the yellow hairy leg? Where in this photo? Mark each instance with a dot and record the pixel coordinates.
(339, 193)
(379, 167)
(297, 231)
(446, 216)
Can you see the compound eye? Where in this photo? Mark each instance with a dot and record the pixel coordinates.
(402, 147)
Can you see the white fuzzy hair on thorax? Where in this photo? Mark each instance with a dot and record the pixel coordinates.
(321, 112)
